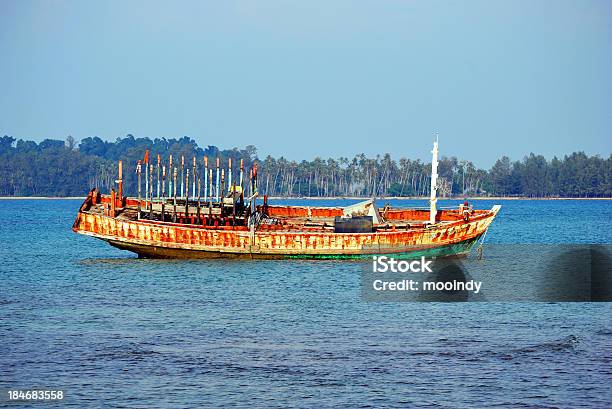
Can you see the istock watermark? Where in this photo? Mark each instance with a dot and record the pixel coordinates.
(383, 264)
(508, 272)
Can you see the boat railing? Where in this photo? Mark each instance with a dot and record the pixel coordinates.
(423, 208)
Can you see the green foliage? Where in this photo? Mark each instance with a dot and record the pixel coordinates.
(58, 168)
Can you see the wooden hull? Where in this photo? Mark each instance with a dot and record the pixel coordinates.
(172, 240)
(153, 251)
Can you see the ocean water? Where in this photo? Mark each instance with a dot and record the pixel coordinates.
(111, 330)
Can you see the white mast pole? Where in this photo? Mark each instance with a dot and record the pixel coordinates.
(434, 181)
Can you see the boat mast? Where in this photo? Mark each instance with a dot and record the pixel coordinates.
(146, 166)
(434, 182)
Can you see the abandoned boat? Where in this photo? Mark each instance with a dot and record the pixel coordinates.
(222, 220)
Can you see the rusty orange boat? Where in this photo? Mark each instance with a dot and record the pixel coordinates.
(220, 222)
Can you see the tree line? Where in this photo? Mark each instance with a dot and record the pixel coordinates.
(67, 168)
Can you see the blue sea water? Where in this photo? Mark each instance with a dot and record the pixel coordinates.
(111, 330)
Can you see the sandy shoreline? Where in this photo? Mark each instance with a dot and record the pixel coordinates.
(342, 197)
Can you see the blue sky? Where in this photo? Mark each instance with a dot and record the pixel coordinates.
(314, 78)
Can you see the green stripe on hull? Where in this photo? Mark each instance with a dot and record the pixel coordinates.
(456, 249)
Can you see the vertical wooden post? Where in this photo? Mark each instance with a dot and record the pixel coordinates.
(251, 212)
(232, 194)
(113, 202)
(210, 177)
(151, 192)
(187, 195)
(174, 196)
(139, 172)
(158, 170)
(163, 194)
(194, 177)
(182, 176)
(170, 177)
(205, 178)
(222, 191)
(146, 166)
(199, 198)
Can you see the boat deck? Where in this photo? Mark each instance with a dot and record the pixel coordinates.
(280, 218)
